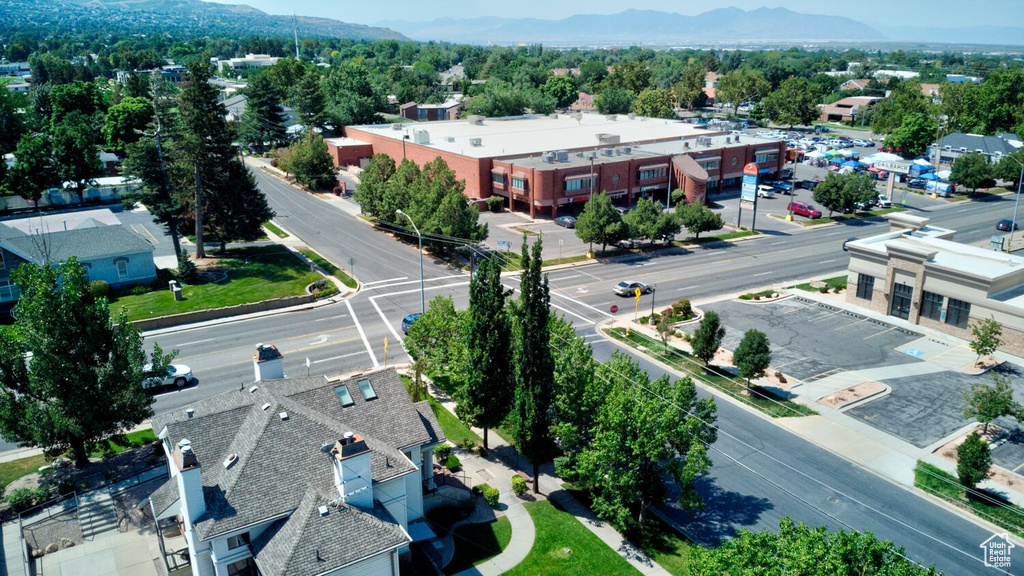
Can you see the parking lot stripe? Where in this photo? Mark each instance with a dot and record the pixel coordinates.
(852, 324)
(362, 334)
(879, 334)
(829, 315)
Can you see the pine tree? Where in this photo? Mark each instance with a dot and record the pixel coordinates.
(263, 120)
(489, 390)
(308, 100)
(534, 366)
(83, 382)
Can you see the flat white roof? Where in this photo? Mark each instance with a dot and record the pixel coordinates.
(525, 135)
(965, 258)
(341, 142)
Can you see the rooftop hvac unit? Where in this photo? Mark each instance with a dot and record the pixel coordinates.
(562, 155)
(396, 127)
(579, 154)
(608, 138)
(547, 157)
(626, 149)
(553, 116)
(450, 138)
(420, 137)
(631, 116)
(962, 149)
(612, 117)
(476, 120)
(728, 139)
(686, 144)
(477, 142)
(608, 151)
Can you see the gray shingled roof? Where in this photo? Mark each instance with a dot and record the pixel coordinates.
(274, 453)
(88, 243)
(973, 142)
(308, 543)
(164, 496)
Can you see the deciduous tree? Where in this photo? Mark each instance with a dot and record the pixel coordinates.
(971, 170)
(12, 125)
(75, 155)
(83, 382)
(739, 86)
(600, 222)
(614, 100)
(753, 355)
(986, 337)
(973, 460)
(794, 102)
(485, 398)
(914, 134)
(578, 395)
(640, 221)
(311, 163)
(372, 184)
(439, 337)
(986, 403)
(33, 172)
(562, 89)
(698, 218)
(654, 103)
(707, 338)
(125, 122)
(905, 98)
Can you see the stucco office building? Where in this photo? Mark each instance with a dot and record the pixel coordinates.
(543, 163)
(918, 273)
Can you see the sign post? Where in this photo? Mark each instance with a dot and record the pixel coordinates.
(307, 366)
(894, 167)
(636, 313)
(748, 193)
(385, 351)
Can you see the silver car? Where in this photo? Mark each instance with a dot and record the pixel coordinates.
(629, 288)
(177, 374)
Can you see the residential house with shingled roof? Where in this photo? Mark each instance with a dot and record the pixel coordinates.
(298, 475)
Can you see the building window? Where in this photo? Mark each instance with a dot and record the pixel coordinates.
(519, 183)
(615, 178)
(238, 541)
(245, 567)
(865, 286)
(902, 296)
(421, 114)
(343, 396)
(577, 184)
(2, 263)
(710, 165)
(652, 173)
(931, 306)
(367, 389)
(958, 313)
(498, 178)
(8, 291)
(122, 268)
(761, 157)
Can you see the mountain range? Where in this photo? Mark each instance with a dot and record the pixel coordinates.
(722, 26)
(180, 18)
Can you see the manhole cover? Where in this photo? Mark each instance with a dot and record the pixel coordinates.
(833, 499)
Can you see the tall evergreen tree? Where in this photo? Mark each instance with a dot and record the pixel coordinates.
(373, 182)
(534, 366)
(83, 382)
(308, 100)
(236, 208)
(262, 121)
(485, 398)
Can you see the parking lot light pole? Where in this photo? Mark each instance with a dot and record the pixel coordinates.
(590, 203)
(423, 305)
(654, 288)
(1016, 203)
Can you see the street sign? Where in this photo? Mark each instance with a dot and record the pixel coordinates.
(748, 193)
(637, 292)
(503, 245)
(897, 166)
(614, 309)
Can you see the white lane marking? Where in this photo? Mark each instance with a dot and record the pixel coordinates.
(338, 357)
(584, 304)
(362, 334)
(565, 278)
(688, 288)
(320, 339)
(416, 281)
(585, 273)
(413, 291)
(196, 342)
(776, 243)
(762, 274)
(385, 281)
(331, 318)
(385, 319)
(571, 313)
(827, 261)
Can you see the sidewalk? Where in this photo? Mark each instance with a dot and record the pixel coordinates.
(499, 475)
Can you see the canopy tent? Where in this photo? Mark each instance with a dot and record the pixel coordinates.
(835, 160)
(886, 157)
(845, 170)
(847, 153)
(852, 164)
(873, 169)
(814, 155)
(943, 174)
(922, 162)
(929, 176)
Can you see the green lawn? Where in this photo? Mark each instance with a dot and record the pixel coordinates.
(734, 387)
(927, 478)
(761, 294)
(475, 543)
(330, 268)
(132, 440)
(831, 283)
(11, 471)
(565, 547)
(273, 228)
(848, 217)
(717, 237)
(454, 430)
(253, 274)
(667, 548)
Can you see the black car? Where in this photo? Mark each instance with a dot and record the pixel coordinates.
(1006, 224)
(808, 184)
(566, 221)
(919, 184)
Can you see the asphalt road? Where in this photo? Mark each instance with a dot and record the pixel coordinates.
(762, 472)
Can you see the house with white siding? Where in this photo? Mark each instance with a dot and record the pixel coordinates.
(298, 475)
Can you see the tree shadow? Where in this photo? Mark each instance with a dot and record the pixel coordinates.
(724, 513)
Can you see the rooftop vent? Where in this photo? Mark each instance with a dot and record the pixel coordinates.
(548, 157)
(420, 137)
(184, 444)
(230, 460)
(631, 116)
(477, 142)
(608, 151)
(450, 138)
(578, 116)
(626, 150)
(323, 512)
(476, 120)
(686, 144)
(253, 389)
(396, 127)
(562, 155)
(612, 117)
(266, 406)
(190, 412)
(282, 415)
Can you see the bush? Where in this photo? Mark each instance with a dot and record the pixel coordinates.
(490, 494)
(518, 484)
(683, 308)
(442, 452)
(23, 498)
(452, 463)
(138, 290)
(495, 203)
(99, 289)
(186, 267)
(823, 289)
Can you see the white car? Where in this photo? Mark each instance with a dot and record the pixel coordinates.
(765, 191)
(884, 201)
(177, 374)
(860, 143)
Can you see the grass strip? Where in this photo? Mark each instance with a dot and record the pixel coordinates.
(476, 543)
(944, 485)
(274, 229)
(836, 282)
(756, 397)
(330, 268)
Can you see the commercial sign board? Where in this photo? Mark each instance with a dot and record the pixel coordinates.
(748, 192)
(895, 166)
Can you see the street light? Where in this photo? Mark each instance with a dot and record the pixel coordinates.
(1016, 203)
(591, 201)
(654, 288)
(423, 306)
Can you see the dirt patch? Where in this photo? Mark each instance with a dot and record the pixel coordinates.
(54, 533)
(996, 474)
(984, 364)
(850, 395)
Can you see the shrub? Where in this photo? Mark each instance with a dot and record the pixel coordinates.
(442, 452)
(495, 203)
(490, 494)
(186, 267)
(683, 308)
(518, 484)
(21, 499)
(338, 191)
(64, 486)
(99, 289)
(823, 289)
(452, 463)
(138, 290)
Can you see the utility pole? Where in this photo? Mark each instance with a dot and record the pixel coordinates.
(1016, 204)
(296, 29)
(423, 305)
(590, 202)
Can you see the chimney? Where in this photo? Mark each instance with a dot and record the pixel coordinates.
(190, 483)
(352, 470)
(268, 362)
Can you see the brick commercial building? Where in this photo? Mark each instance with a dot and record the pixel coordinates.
(918, 273)
(543, 163)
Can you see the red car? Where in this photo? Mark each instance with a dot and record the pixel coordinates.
(804, 210)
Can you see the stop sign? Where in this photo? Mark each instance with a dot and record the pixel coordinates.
(615, 309)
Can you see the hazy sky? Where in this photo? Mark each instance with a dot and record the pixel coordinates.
(945, 13)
